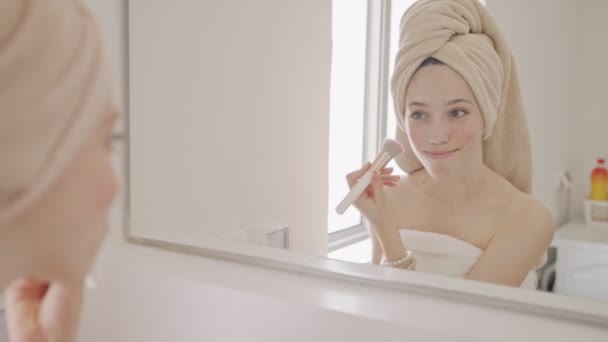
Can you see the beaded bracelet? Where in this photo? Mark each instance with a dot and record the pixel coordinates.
(407, 259)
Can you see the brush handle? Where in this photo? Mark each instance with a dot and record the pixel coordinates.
(355, 192)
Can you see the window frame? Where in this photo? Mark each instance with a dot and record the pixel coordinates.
(375, 104)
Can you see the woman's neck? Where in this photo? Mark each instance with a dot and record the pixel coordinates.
(459, 187)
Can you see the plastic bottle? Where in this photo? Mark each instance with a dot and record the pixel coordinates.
(599, 182)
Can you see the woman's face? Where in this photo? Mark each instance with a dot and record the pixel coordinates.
(67, 225)
(443, 121)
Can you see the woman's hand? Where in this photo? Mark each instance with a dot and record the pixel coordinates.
(41, 311)
(372, 203)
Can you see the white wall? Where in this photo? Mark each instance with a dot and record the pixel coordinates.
(591, 112)
(561, 51)
(545, 36)
(292, 176)
(247, 90)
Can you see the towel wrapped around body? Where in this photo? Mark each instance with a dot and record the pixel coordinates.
(446, 255)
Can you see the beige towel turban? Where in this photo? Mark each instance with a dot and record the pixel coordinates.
(54, 90)
(463, 35)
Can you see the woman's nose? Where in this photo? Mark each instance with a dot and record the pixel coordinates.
(439, 134)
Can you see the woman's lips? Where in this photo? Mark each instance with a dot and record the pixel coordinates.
(440, 154)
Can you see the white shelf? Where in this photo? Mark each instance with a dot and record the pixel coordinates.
(580, 234)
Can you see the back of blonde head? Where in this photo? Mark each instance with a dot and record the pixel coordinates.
(54, 90)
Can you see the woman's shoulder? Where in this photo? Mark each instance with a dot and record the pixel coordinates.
(527, 217)
(532, 210)
(523, 206)
(519, 214)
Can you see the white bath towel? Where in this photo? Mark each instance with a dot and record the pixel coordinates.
(446, 255)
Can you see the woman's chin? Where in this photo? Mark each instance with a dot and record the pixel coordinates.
(438, 169)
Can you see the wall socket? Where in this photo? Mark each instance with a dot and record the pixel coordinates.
(278, 238)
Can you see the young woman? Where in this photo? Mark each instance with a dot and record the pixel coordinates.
(56, 178)
(464, 208)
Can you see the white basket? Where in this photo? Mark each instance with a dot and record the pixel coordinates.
(596, 213)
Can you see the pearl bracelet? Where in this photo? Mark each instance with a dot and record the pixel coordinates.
(408, 262)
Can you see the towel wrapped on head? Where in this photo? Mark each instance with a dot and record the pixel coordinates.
(55, 89)
(463, 35)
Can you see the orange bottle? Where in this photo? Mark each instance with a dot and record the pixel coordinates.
(599, 182)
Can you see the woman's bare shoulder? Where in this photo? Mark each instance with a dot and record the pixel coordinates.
(528, 218)
(520, 215)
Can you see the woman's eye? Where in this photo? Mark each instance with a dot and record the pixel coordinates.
(417, 116)
(458, 113)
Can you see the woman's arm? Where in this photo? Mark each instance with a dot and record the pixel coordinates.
(390, 242)
(373, 205)
(512, 253)
(377, 251)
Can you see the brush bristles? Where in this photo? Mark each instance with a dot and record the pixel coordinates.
(392, 147)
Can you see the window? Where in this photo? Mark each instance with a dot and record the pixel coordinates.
(365, 37)
(365, 40)
(347, 104)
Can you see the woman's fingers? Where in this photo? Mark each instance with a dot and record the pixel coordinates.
(377, 188)
(382, 178)
(390, 178)
(352, 177)
(387, 171)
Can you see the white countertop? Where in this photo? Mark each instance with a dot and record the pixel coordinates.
(580, 234)
(135, 259)
(132, 281)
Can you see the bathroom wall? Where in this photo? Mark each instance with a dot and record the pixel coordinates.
(291, 204)
(591, 112)
(561, 51)
(545, 36)
(256, 124)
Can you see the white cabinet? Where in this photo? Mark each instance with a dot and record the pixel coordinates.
(582, 260)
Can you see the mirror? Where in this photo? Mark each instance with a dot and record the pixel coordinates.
(245, 116)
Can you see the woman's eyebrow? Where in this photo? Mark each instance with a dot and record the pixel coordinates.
(455, 101)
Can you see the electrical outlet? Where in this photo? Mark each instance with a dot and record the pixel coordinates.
(278, 238)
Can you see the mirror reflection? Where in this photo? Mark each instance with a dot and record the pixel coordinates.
(272, 111)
